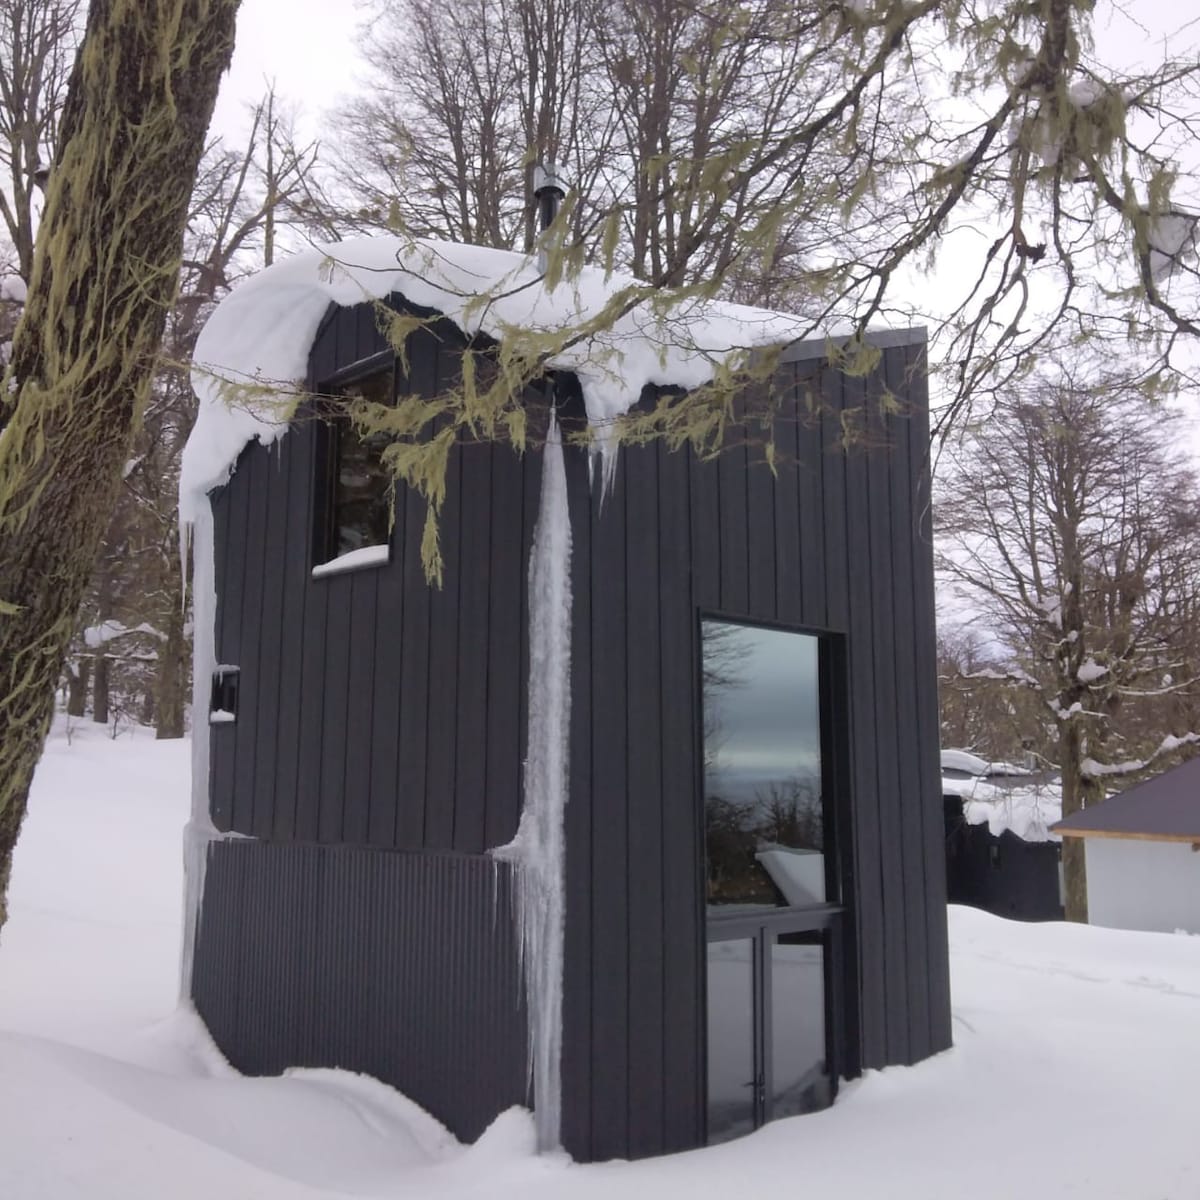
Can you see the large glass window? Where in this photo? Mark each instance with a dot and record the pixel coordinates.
(357, 486)
(763, 803)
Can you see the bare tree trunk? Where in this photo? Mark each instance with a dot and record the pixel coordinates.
(100, 658)
(133, 130)
(1073, 861)
(100, 687)
(77, 688)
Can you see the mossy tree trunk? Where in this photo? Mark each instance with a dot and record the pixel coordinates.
(133, 129)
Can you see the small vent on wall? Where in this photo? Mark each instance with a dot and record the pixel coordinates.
(222, 708)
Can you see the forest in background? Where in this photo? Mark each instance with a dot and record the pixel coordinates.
(1083, 573)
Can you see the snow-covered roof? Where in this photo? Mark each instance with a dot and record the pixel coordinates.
(971, 764)
(963, 760)
(264, 329)
(1027, 811)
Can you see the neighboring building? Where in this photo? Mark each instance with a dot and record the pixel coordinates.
(1001, 855)
(1143, 853)
(733, 690)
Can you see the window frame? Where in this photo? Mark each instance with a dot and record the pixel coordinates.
(833, 920)
(831, 700)
(327, 439)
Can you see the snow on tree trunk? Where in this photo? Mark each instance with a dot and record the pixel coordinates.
(537, 852)
(108, 253)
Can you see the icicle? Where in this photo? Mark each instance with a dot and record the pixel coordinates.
(199, 831)
(537, 852)
(605, 450)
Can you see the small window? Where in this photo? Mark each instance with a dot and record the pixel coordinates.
(223, 706)
(355, 492)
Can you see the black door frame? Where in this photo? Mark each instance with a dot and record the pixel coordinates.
(762, 929)
(834, 920)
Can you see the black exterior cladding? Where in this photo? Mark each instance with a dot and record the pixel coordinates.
(379, 739)
(1002, 875)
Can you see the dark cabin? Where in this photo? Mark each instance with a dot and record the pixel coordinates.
(1015, 872)
(1001, 873)
(755, 877)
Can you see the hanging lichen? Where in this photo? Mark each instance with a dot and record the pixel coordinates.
(104, 276)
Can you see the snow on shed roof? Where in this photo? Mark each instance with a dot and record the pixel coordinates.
(264, 329)
(1165, 808)
(963, 760)
(1027, 811)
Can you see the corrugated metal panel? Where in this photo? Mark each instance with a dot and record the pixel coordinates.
(398, 965)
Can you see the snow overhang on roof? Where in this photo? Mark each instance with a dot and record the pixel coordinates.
(263, 332)
(1163, 809)
(1029, 812)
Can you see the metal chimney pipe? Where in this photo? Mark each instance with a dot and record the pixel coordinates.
(549, 192)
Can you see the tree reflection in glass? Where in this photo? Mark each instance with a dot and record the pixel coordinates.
(764, 817)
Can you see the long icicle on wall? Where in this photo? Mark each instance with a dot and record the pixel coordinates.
(196, 528)
(537, 852)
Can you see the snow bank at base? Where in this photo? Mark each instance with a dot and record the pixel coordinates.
(1049, 1019)
(263, 331)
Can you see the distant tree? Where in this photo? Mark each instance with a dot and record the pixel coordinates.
(107, 261)
(984, 706)
(38, 39)
(1070, 524)
(631, 99)
(244, 195)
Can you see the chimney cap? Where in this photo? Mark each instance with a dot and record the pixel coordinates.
(546, 179)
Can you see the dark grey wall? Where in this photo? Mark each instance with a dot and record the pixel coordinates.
(399, 965)
(374, 710)
(377, 713)
(837, 540)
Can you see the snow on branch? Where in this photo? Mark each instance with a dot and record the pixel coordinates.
(1014, 676)
(1090, 671)
(96, 636)
(1092, 769)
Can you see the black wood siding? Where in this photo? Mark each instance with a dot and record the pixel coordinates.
(836, 540)
(399, 965)
(1002, 875)
(375, 712)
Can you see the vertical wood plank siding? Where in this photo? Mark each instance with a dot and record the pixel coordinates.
(836, 540)
(373, 710)
(419, 989)
(376, 714)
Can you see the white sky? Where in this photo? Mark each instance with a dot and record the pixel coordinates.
(307, 46)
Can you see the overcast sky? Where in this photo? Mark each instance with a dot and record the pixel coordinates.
(307, 46)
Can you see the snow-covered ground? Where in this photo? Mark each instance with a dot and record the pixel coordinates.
(1075, 1070)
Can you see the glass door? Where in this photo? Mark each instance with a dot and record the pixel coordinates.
(771, 878)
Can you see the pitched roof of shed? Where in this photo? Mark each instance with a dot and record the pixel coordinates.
(1165, 808)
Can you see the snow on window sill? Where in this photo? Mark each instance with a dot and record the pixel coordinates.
(220, 716)
(365, 556)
